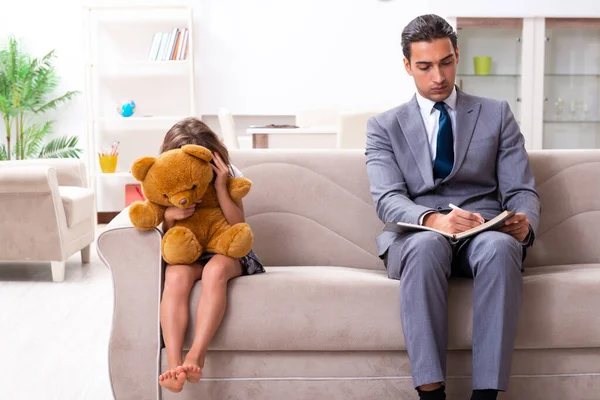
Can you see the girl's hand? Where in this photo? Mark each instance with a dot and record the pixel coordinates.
(173, 213)
(221, 171)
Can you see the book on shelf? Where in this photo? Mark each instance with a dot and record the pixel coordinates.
(154, 47)
(492, 224)
(168, 46)
(176, 44)
(183, 49)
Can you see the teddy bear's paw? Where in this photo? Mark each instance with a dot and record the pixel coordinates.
(236, 241)
(142, 216)
(180, 246)
(238, 187)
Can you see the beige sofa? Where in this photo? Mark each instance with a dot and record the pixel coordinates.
(47, 212)
(323, 322)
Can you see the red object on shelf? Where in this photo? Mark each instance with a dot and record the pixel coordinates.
(133, 193)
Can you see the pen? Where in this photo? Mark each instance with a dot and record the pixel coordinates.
(452, 206)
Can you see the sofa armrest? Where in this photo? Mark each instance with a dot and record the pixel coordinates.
(133, 257)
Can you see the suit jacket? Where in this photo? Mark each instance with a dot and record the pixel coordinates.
(491, 171)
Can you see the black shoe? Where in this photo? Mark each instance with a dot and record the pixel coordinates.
(437, 394)
(484, 394)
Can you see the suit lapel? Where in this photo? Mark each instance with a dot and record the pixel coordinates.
(412, 126)
(467, 112)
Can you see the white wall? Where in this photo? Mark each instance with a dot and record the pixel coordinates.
(257, 56)
(36, 22)
(310, 53)
(275, 57)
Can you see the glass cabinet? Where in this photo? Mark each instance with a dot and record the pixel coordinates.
(491, 55)
(547, 69)
(571, 83)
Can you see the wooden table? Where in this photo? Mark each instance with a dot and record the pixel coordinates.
(260, 136)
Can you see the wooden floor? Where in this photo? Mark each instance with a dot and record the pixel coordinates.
(55, 335)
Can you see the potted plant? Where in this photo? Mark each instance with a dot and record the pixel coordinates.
(27, 86)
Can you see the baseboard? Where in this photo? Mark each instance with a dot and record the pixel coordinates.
(106, 217)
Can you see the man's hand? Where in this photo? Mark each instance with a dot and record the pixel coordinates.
(455, 222)
(517, 226)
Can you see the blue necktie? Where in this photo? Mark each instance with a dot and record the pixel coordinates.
(444, 157)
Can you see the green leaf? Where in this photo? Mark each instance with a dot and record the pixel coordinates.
(3, 153)
(61, 147)
(27, 90)
(33, 139)
(52, 104)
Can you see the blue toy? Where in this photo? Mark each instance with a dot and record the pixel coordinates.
(126, 109)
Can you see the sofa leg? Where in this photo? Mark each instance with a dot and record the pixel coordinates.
(85, 254)
(58, 271)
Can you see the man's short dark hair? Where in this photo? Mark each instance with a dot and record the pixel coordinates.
(426, 28)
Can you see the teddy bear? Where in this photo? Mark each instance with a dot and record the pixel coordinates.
(179, 178)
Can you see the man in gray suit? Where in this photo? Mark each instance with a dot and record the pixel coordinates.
(446, 147)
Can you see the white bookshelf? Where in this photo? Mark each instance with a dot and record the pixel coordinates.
(133, 123)
(116, 176)
(119, 67)
(147, 68)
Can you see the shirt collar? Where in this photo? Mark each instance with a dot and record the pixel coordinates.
(427, 105)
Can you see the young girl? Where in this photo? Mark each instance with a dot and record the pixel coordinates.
(215, 270)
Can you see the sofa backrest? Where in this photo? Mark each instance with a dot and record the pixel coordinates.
(69, 171)
(314, 207)
(310, 207)
(568, 183)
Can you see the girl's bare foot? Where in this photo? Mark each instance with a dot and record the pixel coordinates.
(172, 380)
(192, 372)
(192, 366)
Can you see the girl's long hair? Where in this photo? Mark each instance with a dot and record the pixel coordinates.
(193, 131)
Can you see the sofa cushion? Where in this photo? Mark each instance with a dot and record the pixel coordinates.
(339, 308)
(78, 203)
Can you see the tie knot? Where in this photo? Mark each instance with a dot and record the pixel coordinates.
(440, 106)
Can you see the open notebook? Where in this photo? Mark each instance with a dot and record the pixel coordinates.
(490, 225)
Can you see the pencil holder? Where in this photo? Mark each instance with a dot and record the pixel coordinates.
(108, 164)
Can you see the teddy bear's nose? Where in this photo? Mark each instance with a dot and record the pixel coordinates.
(182, 202)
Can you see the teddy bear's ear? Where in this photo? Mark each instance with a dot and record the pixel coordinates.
(197, 151)
(140, 167)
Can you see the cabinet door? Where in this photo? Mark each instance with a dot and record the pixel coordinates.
(491, 59)
(571, 83)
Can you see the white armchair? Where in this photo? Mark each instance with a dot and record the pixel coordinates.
(227, 124)
(352, 129)
(317, 117)
(46, 212)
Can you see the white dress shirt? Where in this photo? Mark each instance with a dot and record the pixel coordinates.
(431, 118)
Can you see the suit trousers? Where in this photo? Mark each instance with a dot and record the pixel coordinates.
(423, 262)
